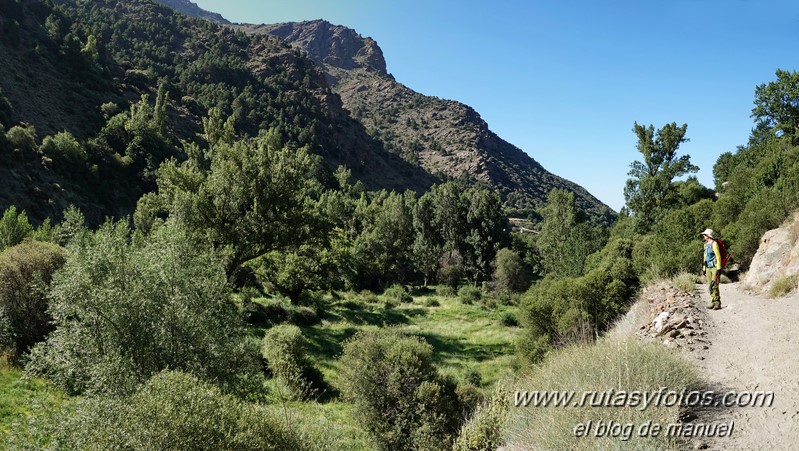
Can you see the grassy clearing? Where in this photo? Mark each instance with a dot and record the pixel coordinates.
(465, 338)
(619, 365)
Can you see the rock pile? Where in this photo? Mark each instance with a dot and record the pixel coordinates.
(674, 319)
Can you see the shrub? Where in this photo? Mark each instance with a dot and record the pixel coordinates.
(369, 297)
(782, 286)
(270, 312)
(303, 315)
(469, 294)
(398, 395)
(172, 410)
(64, 148)
(126, 309)
(558, 311)
(284, 349)
(432, 302)
(22, 137)
(25, 272)
(398, 293)
(445, 291)
(509, 320)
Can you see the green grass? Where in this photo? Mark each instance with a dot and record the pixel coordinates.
(328, 426)
(464, 337)
(20, 395)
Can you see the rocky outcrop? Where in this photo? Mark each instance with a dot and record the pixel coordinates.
(776, 258)
(328, 44)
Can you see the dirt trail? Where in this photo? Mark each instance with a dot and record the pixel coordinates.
(754, 347)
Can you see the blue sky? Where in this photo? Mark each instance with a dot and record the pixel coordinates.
(565, 80)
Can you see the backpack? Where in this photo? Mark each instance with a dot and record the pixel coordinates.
(726, 256)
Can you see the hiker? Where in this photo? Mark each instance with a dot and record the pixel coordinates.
(712, 258)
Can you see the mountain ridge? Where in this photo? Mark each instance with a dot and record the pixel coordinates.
(442, 136)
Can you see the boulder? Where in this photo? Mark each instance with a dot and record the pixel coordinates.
(777, 257)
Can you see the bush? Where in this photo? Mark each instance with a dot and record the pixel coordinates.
(398, 395)
(558, 311)
(285, 349)
(398, 294)
(509, 319)
(685, 282)
(127, 309)
(469, 294)
(432, 302)
(369, 297)
(25, 272)
(271, 312)
(445, 291)
(64, 148)
(173, 410)
(22, 137)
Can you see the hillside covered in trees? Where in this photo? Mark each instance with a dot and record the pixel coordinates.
(214, 255)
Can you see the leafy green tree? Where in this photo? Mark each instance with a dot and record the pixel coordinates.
(427, 243)
(384, 246)
(566, 237)
(249, 197)
(510, 275)
(650, 191)
(690, 191)
(14, 227)
(291, 272)
(467, 224)
(777, 104)
(126, 309)
(487, 231)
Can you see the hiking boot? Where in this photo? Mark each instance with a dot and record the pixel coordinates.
(716, 307)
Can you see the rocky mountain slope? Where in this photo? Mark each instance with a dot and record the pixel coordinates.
(77, 66)
(444, 137)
